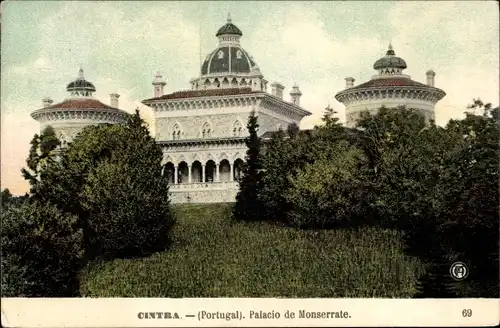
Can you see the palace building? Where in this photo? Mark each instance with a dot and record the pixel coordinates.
(202, 131)
(389, 88)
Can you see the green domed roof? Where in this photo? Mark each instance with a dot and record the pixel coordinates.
(229, 28)
(80, 84)
(390, 61)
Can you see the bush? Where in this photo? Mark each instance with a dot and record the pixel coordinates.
(41, 252)
(128, 213)
(329, 191)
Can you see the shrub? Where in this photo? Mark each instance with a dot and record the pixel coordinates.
(128, 210)
(41, 252)
(327, 192)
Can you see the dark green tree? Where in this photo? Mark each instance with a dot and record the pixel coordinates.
(6, 197)
(110, 177)
(248, 206)
(42, 155)
(41, 250)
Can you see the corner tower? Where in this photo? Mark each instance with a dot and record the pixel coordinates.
(389, 88)
(80, 109)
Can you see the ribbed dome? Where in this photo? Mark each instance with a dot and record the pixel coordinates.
(229, 28)
(227, 60)
(390, 61)
(80, 84)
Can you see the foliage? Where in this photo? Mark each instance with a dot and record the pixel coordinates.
(42, 155)
(211, 257)
(248, 206)
(436, 185)
(437, 282)
(127, 210)
(286, 155)
(41, 251)
(329, 191)
(87, 181)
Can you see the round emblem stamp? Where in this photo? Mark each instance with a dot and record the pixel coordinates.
(459, 271)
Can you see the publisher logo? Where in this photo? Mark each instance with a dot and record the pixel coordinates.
(459, 271)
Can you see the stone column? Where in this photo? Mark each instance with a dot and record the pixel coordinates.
(176, 177)
(203, 173)
(189, 173)
(231, 174)
(217, 177)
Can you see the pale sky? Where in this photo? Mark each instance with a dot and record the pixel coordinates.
(121, 46)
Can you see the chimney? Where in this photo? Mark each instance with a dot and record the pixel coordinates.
(349, 82)
(430, 77)
(277, 90)
(47, 102)
(295, 95)
(114, 99)
(159, 84)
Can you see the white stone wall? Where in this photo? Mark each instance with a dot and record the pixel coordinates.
(270, 123)
(354, 110)
(203, 196)
(69, 129)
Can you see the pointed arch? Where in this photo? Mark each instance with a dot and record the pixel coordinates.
(223, 156)
(206, 130)
(238, 155)
(237, 128)
(176, 131)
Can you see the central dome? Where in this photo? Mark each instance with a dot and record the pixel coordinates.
(229, 57)
(227, 60)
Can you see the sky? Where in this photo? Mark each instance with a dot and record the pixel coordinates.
(121, 45)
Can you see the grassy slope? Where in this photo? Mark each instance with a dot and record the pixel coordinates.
(211, 257)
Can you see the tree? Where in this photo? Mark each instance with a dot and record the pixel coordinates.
(110, 177)
(248, 206)
(41, 250)
(285, 157)
(41, 156)
(468, 190)
(327, 192)
(6, 197)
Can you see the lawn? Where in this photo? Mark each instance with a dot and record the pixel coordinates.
(212, 257)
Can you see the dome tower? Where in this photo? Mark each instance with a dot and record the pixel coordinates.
(229, 65)
(389, 88)
(70, 116)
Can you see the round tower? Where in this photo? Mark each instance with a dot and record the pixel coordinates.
(80, 109)
(389, 88)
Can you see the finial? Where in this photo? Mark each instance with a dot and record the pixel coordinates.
(390, 51)
(229, 17)
(80, 74)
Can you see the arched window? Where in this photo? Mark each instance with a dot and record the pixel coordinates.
(237, 128)
(206, 131)
(176, 132)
